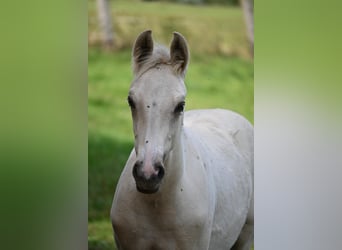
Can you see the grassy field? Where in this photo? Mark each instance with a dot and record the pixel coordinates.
(213, 80)
(209, 29)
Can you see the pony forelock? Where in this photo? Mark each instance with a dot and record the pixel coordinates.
(160, 55)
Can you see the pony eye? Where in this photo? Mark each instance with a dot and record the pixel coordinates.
(179, 108)
(131, 102)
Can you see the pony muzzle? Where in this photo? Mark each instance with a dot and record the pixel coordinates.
(148, 178)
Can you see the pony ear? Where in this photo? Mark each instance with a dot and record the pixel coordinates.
(179, 53)
(142, 49)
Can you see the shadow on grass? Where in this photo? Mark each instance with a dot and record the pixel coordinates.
(106, 159)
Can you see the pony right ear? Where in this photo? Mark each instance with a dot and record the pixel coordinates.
(142, 49)
(179, 53)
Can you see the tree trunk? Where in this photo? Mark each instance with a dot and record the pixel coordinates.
(248, 10)
(105, 22)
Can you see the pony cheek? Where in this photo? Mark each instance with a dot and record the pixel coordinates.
(169, 143)
(136, 149)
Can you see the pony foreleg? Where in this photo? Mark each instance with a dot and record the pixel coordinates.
(246, 237)
(245, 240)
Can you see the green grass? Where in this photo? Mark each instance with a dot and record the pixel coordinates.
(220, 75)
(100, 236)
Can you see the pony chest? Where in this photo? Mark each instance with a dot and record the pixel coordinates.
(176, 220)
(173, 215)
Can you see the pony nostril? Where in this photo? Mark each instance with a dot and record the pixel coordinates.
(135, 171)
(160, 171)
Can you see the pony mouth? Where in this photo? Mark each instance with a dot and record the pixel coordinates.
(147, 189)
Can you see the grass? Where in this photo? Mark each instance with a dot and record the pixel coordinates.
(100, 236)
(210, 29)
(213, 80)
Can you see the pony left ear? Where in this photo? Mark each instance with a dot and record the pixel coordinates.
(179, 53)
(142, 50)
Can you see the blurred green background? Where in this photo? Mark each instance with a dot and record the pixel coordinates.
(220, 75)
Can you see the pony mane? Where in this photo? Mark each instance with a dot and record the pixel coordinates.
(160, 55)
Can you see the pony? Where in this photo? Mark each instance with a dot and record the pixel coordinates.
(188, 182)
